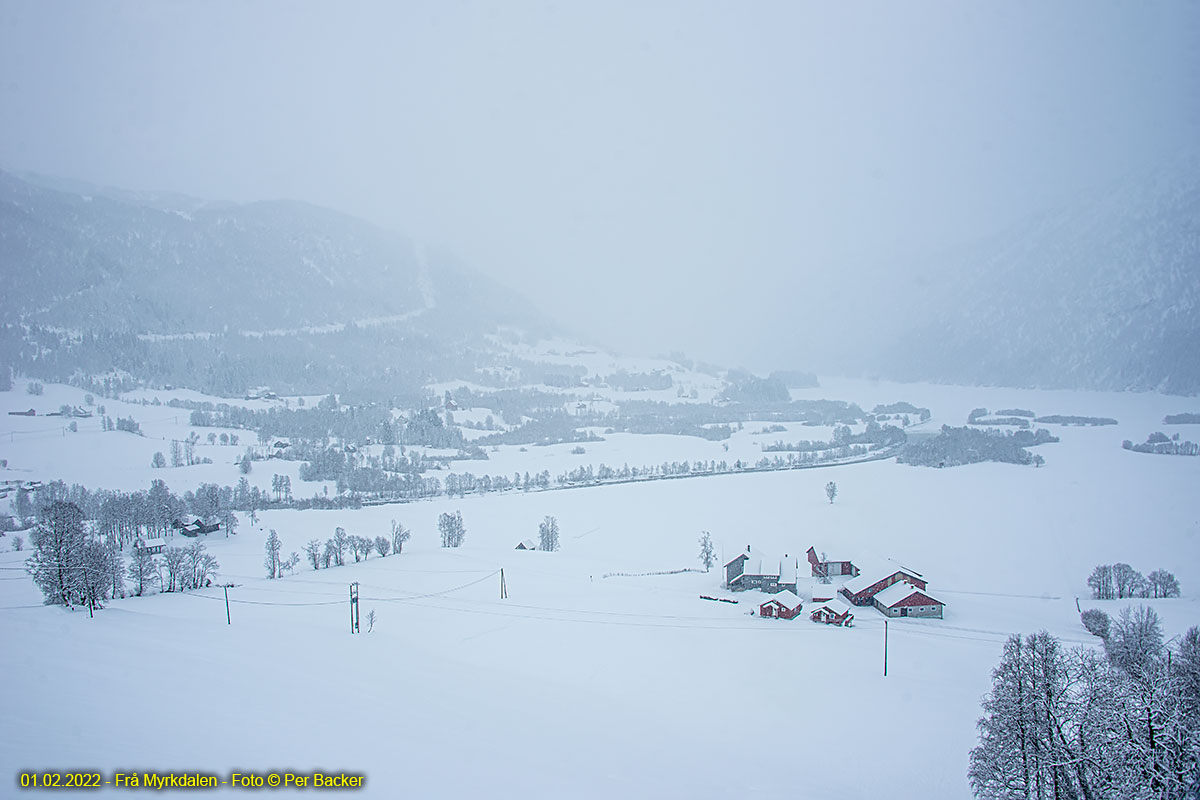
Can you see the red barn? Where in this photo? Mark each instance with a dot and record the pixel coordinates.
(861, 590)
(784, 605)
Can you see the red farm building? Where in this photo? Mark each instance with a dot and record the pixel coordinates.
(782, 605)
(822, 568)
(861, 591)
(832, 612)
(903, 600)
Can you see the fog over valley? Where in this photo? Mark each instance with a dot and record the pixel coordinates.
(682, 399)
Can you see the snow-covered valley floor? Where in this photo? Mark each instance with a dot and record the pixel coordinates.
(582, 685)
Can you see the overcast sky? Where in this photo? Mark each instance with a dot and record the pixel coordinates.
(659, 175)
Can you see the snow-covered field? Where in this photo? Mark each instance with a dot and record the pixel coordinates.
(578, 684)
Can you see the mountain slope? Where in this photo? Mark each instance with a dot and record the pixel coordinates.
(107, 262)
(1105, 295)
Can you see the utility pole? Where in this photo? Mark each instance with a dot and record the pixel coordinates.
(354, 607)
(227, 620)
(885, 648)
(503, 586)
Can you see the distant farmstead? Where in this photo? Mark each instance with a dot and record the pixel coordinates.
(196, 528)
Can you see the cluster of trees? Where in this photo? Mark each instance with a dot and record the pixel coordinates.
(548, 534)
(549, 427)
(330, 419)
(902, 408)
(875, 436)
(333, 553)
(1118, 581)
(74, 565)
(1182, 419)
(744, 387)
(1060, 419)
(124, 516)
(966, 445)
(1083, 725)
(71, 565)
(979, 416)
(639, 381)
(451, 527)
(1159, 442)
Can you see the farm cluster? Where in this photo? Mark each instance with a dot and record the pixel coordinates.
(834, 588)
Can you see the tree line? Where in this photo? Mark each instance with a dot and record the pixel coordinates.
(1118, 581)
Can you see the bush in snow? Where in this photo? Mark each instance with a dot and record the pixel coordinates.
(1096, 622)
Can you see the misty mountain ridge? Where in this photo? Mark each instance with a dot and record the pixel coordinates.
(1102, 295)
(166, 264)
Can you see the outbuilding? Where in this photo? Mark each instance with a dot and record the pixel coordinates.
(151, 546)
(861, 591)
(903, 600)
(782, 605)
(832, 612)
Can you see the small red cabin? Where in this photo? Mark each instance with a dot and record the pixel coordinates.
(784, 605)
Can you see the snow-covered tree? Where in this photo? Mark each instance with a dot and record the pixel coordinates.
(1101, 582)
(831, 490)
(1162, 584)
(341, 542)
(56, 563)
(272, 558)
(1096, 622)
(1126, 580)
(142, 571)
(1134, 640)
(548, 534)
(400, 535)
(312, 551)
(173, 560)
(708, 556)
(382, 545)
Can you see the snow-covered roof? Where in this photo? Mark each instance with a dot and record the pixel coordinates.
(157, 541)
(788, 569)
(874, 572)
(838, 607)
(529, 544)
(759, 563)
(786, 597)
(824, 591)
(895, 593)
